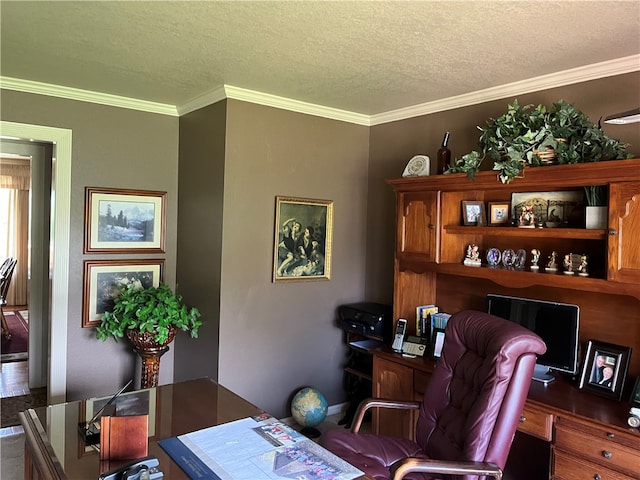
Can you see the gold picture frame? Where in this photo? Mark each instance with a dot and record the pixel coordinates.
(499, 213)
(303, 239)
(103, 277)
(124, 221)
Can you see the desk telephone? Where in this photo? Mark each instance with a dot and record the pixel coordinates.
(146, 468)
(414, 346)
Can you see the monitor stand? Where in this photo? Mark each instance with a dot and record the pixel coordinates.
(542, 374)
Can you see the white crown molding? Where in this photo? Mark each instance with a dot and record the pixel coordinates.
(208, 98)
(51, 90)
(595, 71)
(559, 79)
(295, 105)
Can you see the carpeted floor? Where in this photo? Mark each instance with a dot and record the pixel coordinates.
(11, 406)
(15, 349)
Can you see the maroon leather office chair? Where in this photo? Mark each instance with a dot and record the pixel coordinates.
(471, 407)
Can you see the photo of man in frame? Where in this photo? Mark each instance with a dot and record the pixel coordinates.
(603, 370)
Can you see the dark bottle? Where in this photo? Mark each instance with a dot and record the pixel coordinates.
(444, 155)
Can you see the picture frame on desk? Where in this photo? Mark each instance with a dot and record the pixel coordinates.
(605, 369)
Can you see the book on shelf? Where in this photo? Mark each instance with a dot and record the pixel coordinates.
(423, 313)
(439, 320)
(259, 448)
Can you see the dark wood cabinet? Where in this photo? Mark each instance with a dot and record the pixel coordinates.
(431, 244)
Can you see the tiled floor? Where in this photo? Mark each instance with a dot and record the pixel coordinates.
(14, 380)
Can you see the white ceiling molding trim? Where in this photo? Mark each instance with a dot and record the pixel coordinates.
(581, 74)
(213, 96)
(596, 71)
(295, 105)
(51, 90)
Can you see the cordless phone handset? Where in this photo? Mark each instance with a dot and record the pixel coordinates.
(398, 339)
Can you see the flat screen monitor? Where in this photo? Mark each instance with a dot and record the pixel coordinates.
(556, 323)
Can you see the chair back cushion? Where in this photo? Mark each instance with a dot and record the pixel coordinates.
(476, 394)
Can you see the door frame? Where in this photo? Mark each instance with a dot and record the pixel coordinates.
(60, 240)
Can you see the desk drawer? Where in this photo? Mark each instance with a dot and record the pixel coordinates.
(597, 445)
(568, 467)
(537, 423)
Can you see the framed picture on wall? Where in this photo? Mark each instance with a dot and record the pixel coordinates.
(302, 246)
(103, 280)
(124, 221)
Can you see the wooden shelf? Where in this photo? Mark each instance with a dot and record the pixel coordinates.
(520, 278)
(566, 233)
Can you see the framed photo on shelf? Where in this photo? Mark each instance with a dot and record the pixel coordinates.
(124, 221)
(605, 368)
(552, 209)
(302, 246)
(104, 278)
(499, 213)
(473, 213)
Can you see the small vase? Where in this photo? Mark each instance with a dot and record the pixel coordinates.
(595, 217)
(150, 352)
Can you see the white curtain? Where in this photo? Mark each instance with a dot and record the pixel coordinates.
(16, 178)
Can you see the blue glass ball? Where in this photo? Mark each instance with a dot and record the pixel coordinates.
(309, 407)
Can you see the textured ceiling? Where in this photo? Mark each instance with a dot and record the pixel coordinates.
(359, 56)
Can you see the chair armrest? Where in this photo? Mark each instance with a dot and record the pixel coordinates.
(368, 403)
(409, 465)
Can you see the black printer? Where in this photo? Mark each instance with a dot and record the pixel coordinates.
(368, 319)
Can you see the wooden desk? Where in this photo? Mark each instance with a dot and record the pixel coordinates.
(54, 449)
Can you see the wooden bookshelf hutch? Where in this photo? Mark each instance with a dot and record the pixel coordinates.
(586, 436)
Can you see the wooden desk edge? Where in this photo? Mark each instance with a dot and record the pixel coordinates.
(38, 452)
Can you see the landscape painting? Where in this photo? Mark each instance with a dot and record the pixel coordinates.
(122, 221)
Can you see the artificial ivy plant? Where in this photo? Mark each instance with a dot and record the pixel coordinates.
(152, 309)
(524, 135)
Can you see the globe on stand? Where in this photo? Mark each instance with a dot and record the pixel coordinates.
(309, 409)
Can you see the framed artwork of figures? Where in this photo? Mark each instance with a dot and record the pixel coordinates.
(124, 221)
(302, 245)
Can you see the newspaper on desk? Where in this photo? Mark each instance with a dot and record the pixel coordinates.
(255, 448)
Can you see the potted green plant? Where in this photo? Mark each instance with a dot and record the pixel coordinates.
(596, 210)
(532, 136)
(149, 318)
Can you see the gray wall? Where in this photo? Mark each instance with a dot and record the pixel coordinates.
(112, 147)
(201, 197)
(278, 337)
